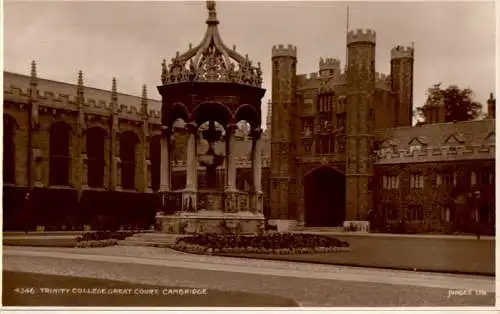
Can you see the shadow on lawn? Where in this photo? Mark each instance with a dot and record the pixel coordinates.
(161, 297)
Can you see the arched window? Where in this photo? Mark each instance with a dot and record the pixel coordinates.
(155, 158)
(59, 154)
(9, 159)
(128, 143)
(95, 141)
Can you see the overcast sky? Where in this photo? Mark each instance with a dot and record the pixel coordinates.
(454, 41)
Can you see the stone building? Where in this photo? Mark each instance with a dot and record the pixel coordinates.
(338, 146)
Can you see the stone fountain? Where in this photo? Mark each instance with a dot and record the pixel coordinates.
(218, 209)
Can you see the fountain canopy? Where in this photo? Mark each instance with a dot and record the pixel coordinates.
(211, 82)
(212, 61)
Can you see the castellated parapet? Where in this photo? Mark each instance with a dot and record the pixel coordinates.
(329, 66)
(361, 35)
(282, 51)
(329, 63)
(402, 52)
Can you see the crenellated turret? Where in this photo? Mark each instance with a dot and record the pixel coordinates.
(284, 87)
(361, 80)
(329, 67)
(402, 84)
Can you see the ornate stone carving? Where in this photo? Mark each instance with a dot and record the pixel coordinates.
(211, 61)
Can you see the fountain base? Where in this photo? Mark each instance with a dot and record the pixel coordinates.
(215, 212)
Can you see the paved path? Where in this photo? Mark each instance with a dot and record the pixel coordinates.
(395, 235)
(309, 284)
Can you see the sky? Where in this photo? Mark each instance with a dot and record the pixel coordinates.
(454, 41)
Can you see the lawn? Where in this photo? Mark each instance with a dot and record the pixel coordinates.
(162, 296)
(438, 255)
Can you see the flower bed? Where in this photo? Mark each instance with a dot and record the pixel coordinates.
(104, 235)
(96, 243)
(277, 243)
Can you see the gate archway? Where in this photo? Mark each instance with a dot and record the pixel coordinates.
(324, 198)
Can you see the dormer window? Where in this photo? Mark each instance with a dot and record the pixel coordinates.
(416, 145)
(387, 151)
(415, 148)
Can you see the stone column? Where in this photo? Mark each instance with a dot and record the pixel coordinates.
(230, 195)
(165, 160)
(191, 162)
(257, 160)
(257, 197)
(189, 196)
(114, 151)
(230, 158)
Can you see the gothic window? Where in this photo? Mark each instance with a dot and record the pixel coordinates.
(445, 178)
(473, 178)
(415, 212)
(155, 159)
(59, 154)
(307, 127)
(128, 150)
(446, 212)
(390, 182)
(95, 141)
(416, 181)
(9, 159)
(487, 177)
(325, 103)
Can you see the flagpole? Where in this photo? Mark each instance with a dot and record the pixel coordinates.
(346, 34)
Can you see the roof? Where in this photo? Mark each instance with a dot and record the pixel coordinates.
(211, 61)
(22, 82)
(473, 132)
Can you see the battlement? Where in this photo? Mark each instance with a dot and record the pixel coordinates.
(329, 63)
(361, 35)
(433, 154)
(282, 51)
(382, 81)
(399, 52)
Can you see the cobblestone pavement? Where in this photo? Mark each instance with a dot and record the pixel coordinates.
(309, 284)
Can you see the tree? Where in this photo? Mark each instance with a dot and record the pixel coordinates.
(458, 103)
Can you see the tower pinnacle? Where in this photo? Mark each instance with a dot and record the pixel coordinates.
(212, 14)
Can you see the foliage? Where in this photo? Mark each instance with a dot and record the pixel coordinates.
(459, 104)
(96, 243)
(276, 242)
(104, 235)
